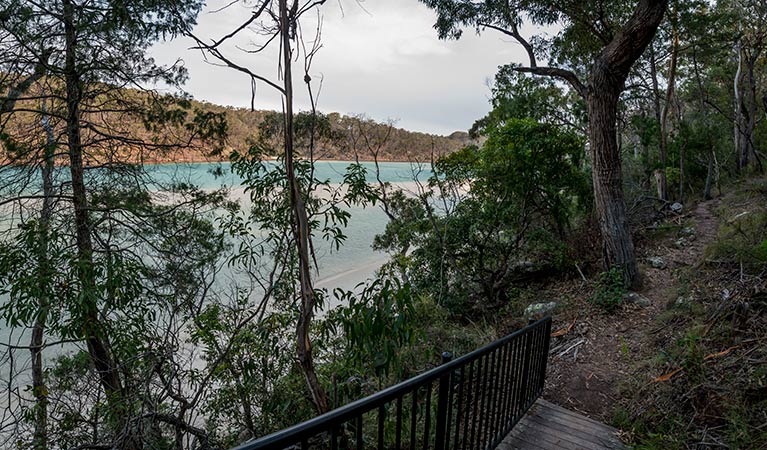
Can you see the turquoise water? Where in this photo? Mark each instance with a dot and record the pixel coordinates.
(201, 174)
(356, 260)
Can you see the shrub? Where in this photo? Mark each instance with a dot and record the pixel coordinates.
(609, 290)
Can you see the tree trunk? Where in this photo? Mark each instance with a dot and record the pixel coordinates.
(606, 82)
(738, 103)
(681, 173)
(102, 359)
(608, 189)
(709, 178)
(660, 119)
(752, 110)
(300, 230)
(39, 390)
(764, 101)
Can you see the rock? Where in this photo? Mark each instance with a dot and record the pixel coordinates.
(524, 266)
(688, 231)
(680, 243)
(539, 309)
(656, 262)
(683, 300)
(676, 207)
(636, 299)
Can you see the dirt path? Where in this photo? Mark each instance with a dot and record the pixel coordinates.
(588, 363)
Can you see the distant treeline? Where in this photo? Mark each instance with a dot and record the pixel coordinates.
(354, 136)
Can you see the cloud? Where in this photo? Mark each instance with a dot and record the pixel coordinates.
(382, 58)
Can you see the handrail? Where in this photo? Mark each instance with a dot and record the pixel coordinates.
(502, 357)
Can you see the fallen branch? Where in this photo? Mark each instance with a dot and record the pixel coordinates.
(571, 347)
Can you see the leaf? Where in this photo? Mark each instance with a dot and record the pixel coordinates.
(668, 376)
(564, 331)
(720, 354)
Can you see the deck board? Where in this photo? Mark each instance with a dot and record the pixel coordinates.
(550, 427)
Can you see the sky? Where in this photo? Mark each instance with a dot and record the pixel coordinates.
(381, 58)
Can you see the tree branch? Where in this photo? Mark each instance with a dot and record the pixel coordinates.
(556, 72)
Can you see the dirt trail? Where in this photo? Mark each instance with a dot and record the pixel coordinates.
(587, 363)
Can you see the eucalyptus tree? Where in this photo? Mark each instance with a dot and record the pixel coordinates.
(287, 212)
(751, 48)
(79, 81)
(593, 52)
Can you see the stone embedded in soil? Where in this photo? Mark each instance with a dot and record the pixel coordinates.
(539, 309)
(676, 207)
(680, 243)
(636, 299)
(656, 262)
(688, 231)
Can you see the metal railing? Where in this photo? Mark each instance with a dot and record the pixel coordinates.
(469, 403)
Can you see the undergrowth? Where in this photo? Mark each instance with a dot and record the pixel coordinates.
(709, 385)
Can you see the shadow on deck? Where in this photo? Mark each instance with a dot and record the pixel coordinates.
(547, 426)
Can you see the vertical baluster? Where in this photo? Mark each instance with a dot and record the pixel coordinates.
(469, 402)
(507, 416)
(492, 393)
(484, 400)
(381, 418)
(538, 361)
(500, 386)
(518, 363)
(334, 438)
(541, 351)
(398, 436)
(304, 444)
(526, 369)
(444, 393)
(450, 395)
(427, 418)
(413, 418)
(358, 433)
(459, 406)
(475, 403)
(533, 376)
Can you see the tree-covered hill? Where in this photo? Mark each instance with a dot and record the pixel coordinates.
(354, 137)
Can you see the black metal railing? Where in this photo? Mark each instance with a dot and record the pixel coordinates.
(469, 403)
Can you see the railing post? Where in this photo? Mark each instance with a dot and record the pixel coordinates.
(443, 399)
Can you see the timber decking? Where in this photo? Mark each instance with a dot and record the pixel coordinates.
(547, 426)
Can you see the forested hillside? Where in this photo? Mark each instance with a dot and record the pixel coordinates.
(350, 137)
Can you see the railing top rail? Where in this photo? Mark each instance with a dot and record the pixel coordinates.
(305, 430)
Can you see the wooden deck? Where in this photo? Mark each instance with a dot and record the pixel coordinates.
(550, 427)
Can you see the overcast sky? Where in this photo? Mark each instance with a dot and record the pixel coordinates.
(384, 61)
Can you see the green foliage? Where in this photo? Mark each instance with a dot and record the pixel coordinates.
(377, 324)
(520, 96)
(609, 290)
(741, 239)
(486, 210)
